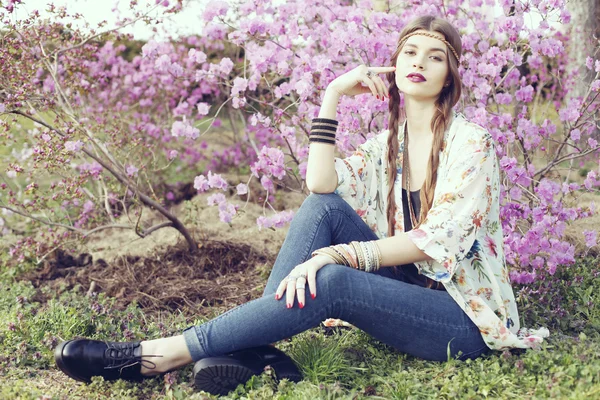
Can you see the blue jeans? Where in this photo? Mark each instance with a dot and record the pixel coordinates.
(415, 320)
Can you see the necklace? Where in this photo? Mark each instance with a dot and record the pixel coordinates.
(406, 174)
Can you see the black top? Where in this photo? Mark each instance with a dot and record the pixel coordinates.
(410, 270)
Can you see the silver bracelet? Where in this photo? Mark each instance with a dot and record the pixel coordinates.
(368, 257)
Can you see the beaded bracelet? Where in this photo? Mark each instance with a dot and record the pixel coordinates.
(323, 131)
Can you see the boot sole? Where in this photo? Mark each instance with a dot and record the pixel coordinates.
(220, 375)
(58, 358)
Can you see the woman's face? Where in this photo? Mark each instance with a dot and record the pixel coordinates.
(428, 57)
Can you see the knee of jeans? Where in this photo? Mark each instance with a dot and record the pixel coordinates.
(331, 276)
(316, 202)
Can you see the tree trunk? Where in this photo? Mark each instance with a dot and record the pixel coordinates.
(585, 36)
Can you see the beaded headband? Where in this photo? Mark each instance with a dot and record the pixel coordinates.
(432, 36)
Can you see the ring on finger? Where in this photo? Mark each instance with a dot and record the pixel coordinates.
(370, 73)
(291, 278)
(300, 286)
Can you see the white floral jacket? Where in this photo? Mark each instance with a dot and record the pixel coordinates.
(462, 231)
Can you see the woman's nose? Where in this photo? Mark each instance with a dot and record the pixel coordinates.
(418, 62)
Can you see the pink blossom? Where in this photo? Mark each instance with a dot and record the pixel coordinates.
(2, 107)
(239, 85)
(131, 170)
(216, 199)
(522, 277)
(197, 56)
(74, 146)
(238, 102)
(225, 66)
(175, 69)
(575, 134)
(88, 207)
(150, 49)
(242, 189)
(303, 88)
(565, 16)
(215, 8)
(203, 109)
(11, 5)
(572, 112)
(547, 189)
(184, 129)
(227, 211)
(162, 63)
(46, 137)
(270, 162)
(216, 181)
(267, 183)
(504, 98)
(182, 109)
(590, 181)
(589, 62)
(596, 85)
(259, 118)
(590, 238)
(525, 94)
(592, 142)
(278, 220)
(172, 154)
(93, 168)
(201, 183)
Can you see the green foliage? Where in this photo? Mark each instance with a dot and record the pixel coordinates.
(322, 358)
(568, 300)
(583, 172)
(338, 364)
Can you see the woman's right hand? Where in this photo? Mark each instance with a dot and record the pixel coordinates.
(351, 83)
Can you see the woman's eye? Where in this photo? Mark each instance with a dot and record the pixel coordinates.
(437, 58)
(409, 52)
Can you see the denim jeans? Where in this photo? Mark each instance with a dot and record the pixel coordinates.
(415, 320)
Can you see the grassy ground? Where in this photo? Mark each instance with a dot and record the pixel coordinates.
(344, 364)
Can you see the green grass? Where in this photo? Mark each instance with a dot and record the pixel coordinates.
(346, 364)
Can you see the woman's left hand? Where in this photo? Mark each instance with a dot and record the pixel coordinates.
(295, 282)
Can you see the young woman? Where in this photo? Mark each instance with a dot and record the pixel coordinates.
(402, 239)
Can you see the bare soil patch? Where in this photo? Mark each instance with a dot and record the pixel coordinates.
(220, 274)
(158, 272)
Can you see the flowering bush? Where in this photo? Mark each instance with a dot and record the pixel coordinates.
(118, 124)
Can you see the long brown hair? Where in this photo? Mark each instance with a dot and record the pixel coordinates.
(441, 118)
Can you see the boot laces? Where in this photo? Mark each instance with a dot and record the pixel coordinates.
(122, 355)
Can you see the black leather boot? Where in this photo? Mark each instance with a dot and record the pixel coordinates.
(220, 375)
(83, 358)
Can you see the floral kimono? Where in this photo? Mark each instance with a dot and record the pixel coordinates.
(462, 232)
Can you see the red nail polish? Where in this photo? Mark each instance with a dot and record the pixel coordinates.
(301, 305)
(313, 295)
(377, 97)
(276, 297)
(289, 306)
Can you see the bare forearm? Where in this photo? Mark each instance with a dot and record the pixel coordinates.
(399, 250)
(320, 171)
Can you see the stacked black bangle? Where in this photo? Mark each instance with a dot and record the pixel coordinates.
(323, 131)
